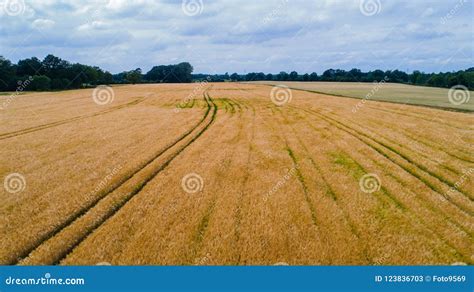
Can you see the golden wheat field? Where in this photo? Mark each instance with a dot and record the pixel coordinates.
(232, 174)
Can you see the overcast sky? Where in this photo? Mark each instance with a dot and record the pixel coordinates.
(243, 36)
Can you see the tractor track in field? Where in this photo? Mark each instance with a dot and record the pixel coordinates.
(70, 120)
(85, 216)
(243, 193)
(391, 141)
(424, 200)
(321, 229)
(416, 116)
(363, 137)
(413, 213)
(331, 192)
(203, 225)
(463, 256)
(431, 144)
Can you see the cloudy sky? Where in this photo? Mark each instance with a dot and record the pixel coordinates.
(243, 36)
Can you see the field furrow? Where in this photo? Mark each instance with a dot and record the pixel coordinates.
(225, 174)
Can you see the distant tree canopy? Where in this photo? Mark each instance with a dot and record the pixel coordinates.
(134, 76)
(447, 79)
(179, 73)
(54, 73)
(51, 73)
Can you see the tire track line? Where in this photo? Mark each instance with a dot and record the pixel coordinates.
(202, 228)
(417, 116)
(433, 145)
(66, 121)
(315, 221)
(74, 218)
(363, 137)
(331, 193)
(420, 219)
(242, 192)
(423, 199)
(418, 152)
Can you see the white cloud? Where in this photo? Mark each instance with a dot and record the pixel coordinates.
(242, 36)
(43, 23)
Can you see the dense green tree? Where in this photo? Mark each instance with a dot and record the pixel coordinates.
(293, 76)
(170, 73)
(328, 75)
(7, 74)
(282, 76)
(40, 83)
(60, 83)
(134, 76)
(235, 77)
(313, 77)
(29, 67)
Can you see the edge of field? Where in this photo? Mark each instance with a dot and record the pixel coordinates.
(371, 99)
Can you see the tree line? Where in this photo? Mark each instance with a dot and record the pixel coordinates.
(54, 73)
(446, 79)
(51, 73)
